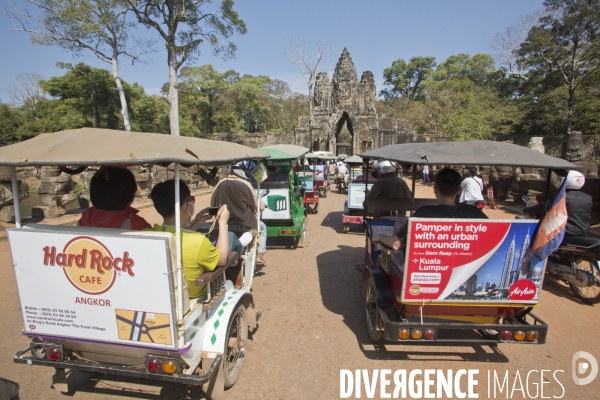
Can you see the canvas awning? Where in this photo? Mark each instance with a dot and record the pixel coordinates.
(91, 146)
(475, 152)
(284, 151)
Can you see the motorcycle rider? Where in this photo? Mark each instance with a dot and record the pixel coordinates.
(579, 206)
(343, 173)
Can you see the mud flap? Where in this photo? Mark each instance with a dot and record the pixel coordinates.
(59, 380)
(215, 388)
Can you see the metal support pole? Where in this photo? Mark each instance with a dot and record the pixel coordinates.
(414, 183)
(15, 193)
(178, 245)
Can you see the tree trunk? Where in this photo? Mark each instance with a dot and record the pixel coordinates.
(173, 94)
(570, 109)
(124, 110)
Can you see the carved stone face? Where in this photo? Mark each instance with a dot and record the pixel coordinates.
(573, 153)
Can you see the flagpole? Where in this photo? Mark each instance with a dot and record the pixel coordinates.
(547, 194)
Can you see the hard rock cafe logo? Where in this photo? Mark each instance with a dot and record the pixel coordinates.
(88, 264)
(523, 289)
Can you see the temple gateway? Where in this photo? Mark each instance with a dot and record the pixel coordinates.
(347, 101)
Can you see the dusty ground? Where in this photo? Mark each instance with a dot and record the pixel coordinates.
(312, 325)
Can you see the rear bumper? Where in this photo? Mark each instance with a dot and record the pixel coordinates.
(352, 219)
(119, 370)
(463, 333)
(311, 200)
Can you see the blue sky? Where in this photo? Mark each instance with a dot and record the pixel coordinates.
(376, 33)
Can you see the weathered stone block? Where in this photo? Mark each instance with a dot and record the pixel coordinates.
(46, 212)
(50, 172)
(5, 174)
(142, 177)
(55, 188)
(62, 178)
(48, 199)
(6, 195)
(7, 214)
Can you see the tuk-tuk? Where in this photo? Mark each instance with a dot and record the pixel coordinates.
(114, 301)
(320, 172)
(285, 215)
(353, 206)
(455, 281)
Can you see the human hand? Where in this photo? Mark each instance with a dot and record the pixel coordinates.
(223, 214)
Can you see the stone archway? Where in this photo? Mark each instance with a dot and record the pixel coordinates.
(342, 144)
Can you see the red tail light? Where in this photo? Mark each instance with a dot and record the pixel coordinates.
(153, 365)
(54, 353)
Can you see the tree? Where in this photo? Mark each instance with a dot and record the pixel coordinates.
(25, 90)
(406, 79)
(89, 91)
(476, 68)
(184, 25)
(99, 26)
(309, 61)
(565, 46)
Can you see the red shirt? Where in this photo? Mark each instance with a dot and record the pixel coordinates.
(113, 219)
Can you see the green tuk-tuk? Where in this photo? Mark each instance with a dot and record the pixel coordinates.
(285, 215)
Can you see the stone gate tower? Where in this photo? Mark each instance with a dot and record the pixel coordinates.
(346, 100)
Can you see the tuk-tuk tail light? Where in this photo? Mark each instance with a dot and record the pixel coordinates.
(416, 334)
(506, 335)
(162, 365)
(403, 334)
(429, 334)
(153, 364)
(54, 353)
(532, 336)
(519, 336)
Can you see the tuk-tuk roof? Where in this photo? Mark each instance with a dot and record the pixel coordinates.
(92, 146)
(354, 160)
(474, 152)
(284, 151)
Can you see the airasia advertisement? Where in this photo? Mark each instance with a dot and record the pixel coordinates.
(465, 260)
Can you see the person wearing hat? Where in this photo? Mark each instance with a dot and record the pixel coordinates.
(388, 186)
(240, 197)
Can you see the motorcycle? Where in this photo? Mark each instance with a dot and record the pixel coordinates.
(342, 183)
(575, 262)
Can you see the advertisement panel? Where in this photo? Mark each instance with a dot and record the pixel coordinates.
(465, 260)
(105, 287)
(278, 204)
(356, 194)
(306, 178)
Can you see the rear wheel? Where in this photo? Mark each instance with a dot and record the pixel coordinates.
(235, 342)
(316, 209)
(587, 294)
(372, 311)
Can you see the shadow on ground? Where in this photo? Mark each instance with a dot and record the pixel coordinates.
(340, 287)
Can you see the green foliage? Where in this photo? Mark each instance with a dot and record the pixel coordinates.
(405, 79)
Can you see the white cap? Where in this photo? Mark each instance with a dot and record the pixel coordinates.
(385, 167)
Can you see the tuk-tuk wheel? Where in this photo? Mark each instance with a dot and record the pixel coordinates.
(372, 311)
(316, 209)
(346, 228)
(235, 343)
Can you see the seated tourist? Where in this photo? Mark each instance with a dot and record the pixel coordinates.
(198, 254)
(446, 187)
(112, 190)
(273, 174)
(388, 186)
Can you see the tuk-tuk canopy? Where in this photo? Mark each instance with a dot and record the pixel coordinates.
(474, 152)
(92, 146)
(354, 160)
(284, 151)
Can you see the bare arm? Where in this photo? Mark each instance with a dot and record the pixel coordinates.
(389, 241)
(223, 239)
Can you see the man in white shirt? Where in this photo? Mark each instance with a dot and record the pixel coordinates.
(472, 187)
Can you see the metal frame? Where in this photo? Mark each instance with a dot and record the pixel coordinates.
(121, 370)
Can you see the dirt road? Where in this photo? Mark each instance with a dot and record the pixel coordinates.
(312, 325)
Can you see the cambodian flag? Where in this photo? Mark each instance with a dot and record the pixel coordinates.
(551, 229)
